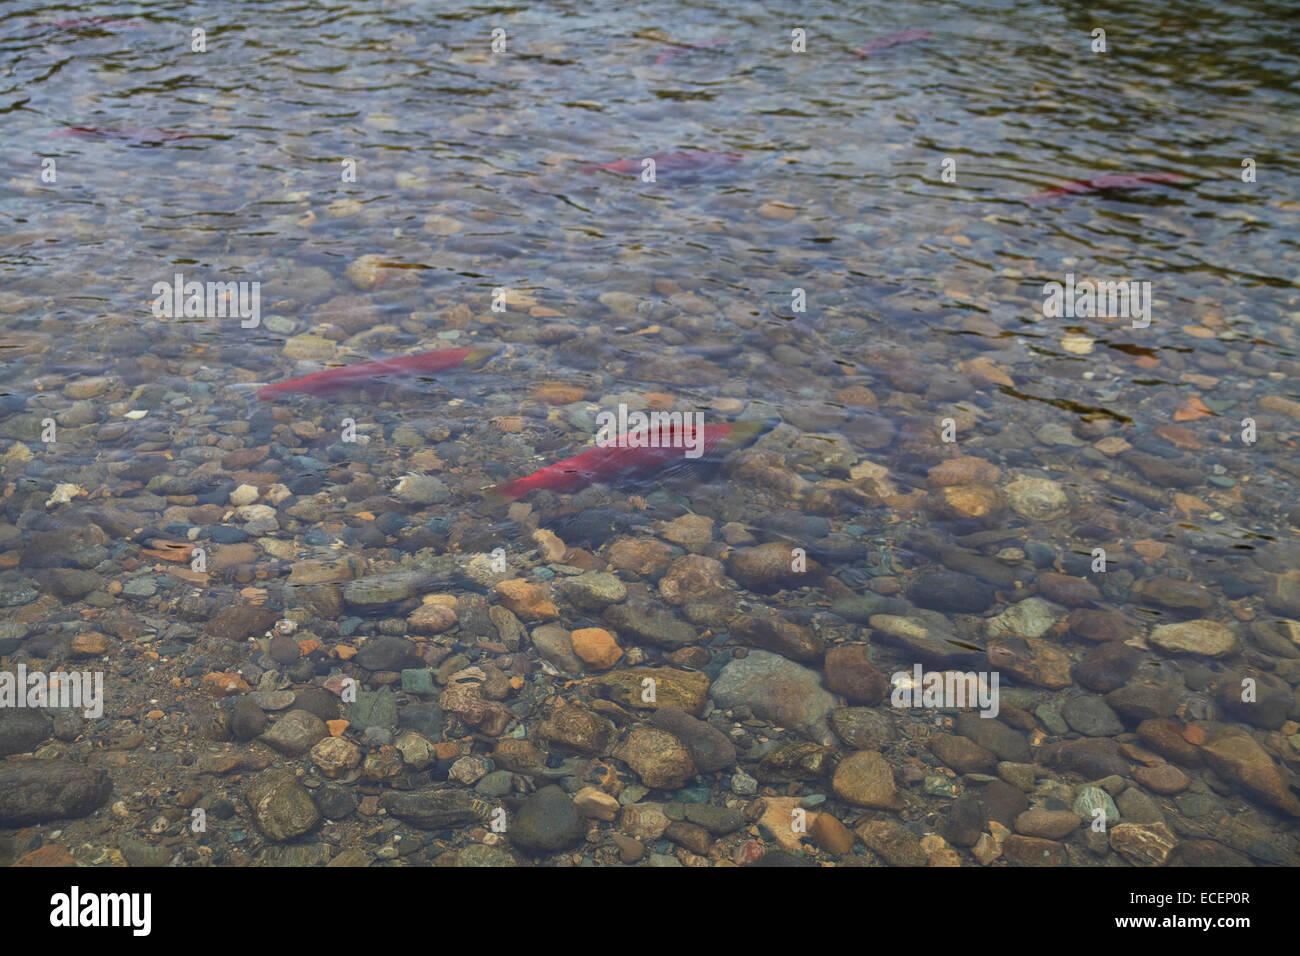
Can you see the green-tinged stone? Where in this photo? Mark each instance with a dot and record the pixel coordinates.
(1050, 715)
(937, 785)
(374, 708)
(1089, 799)
(418, 680)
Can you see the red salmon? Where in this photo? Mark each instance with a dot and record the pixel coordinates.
(1108, 181)
(80, 22)
(614, 462)
(366, 373)
(696, 160)
(895, 39)
(135, 133)
(677, 49)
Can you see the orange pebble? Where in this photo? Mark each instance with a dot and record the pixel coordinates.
(336, 727)
(345, 652)
(155, 715)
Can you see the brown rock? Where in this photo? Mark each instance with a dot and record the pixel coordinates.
(574, 727)
(962, 754)
(1143, 844)
(1034, 851)
(526, 600)
(864, 778)
(657, 757)
(223, 684)
(596, 647)
(89, 644)
(1162, 778)
(685, 690)
(1165, 737)
(1236, 756)
(963, 470)
(1049, 824)
(1066, 589)
(644, 821)
(431, 619)
(893, 842)
(850, 672)
(466, 701)
(640, 557)
(694, 577)
(694, 838)
(780, 636)
(1100, 626)
(831, 835)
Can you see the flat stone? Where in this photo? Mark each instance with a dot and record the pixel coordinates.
(864, 778)
(39, 791)
(282, 808)
(1049, 824)
(1207, 638)
(1143, 844)
(777, 690)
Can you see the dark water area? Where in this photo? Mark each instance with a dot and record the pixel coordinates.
(1016, 301)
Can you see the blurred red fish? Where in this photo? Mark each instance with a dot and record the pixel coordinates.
(1107, 181)
(82, 22)
(369, 373)
(895, 39)
(617, 462)
(696, 160)
(138, 134)
(677, 49)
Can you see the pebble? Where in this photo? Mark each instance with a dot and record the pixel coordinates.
(1037, 499)
(864, 778)
(657, 757)
(1204, 637)
(778, 690)
(1091, 717)
(295, 733)
(1091, 799)
(1143, 844)
(710, 750)
(596, 647)
(36, 791)
(282, 809)
(1049, 824)
(851, 674)
(862, 728)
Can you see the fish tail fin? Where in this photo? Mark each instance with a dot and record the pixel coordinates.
(751, 430)
(498, 496)
(479, 356)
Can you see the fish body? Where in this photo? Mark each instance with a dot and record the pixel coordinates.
(132, 133)
(1108, 181)
(366, 373)
(79, 23)
(896, 39)
(695, 160)
(617, 462)
(677, 49)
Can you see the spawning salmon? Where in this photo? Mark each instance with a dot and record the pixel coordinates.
(895, 39)
(618, 462)
(367, 373)
(1107, 181)
(696, 160)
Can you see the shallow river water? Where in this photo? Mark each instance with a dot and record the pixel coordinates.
(859, 223)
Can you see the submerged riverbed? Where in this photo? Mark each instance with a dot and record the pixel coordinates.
(315, 626)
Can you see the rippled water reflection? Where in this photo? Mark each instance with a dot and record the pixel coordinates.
(473, 183)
